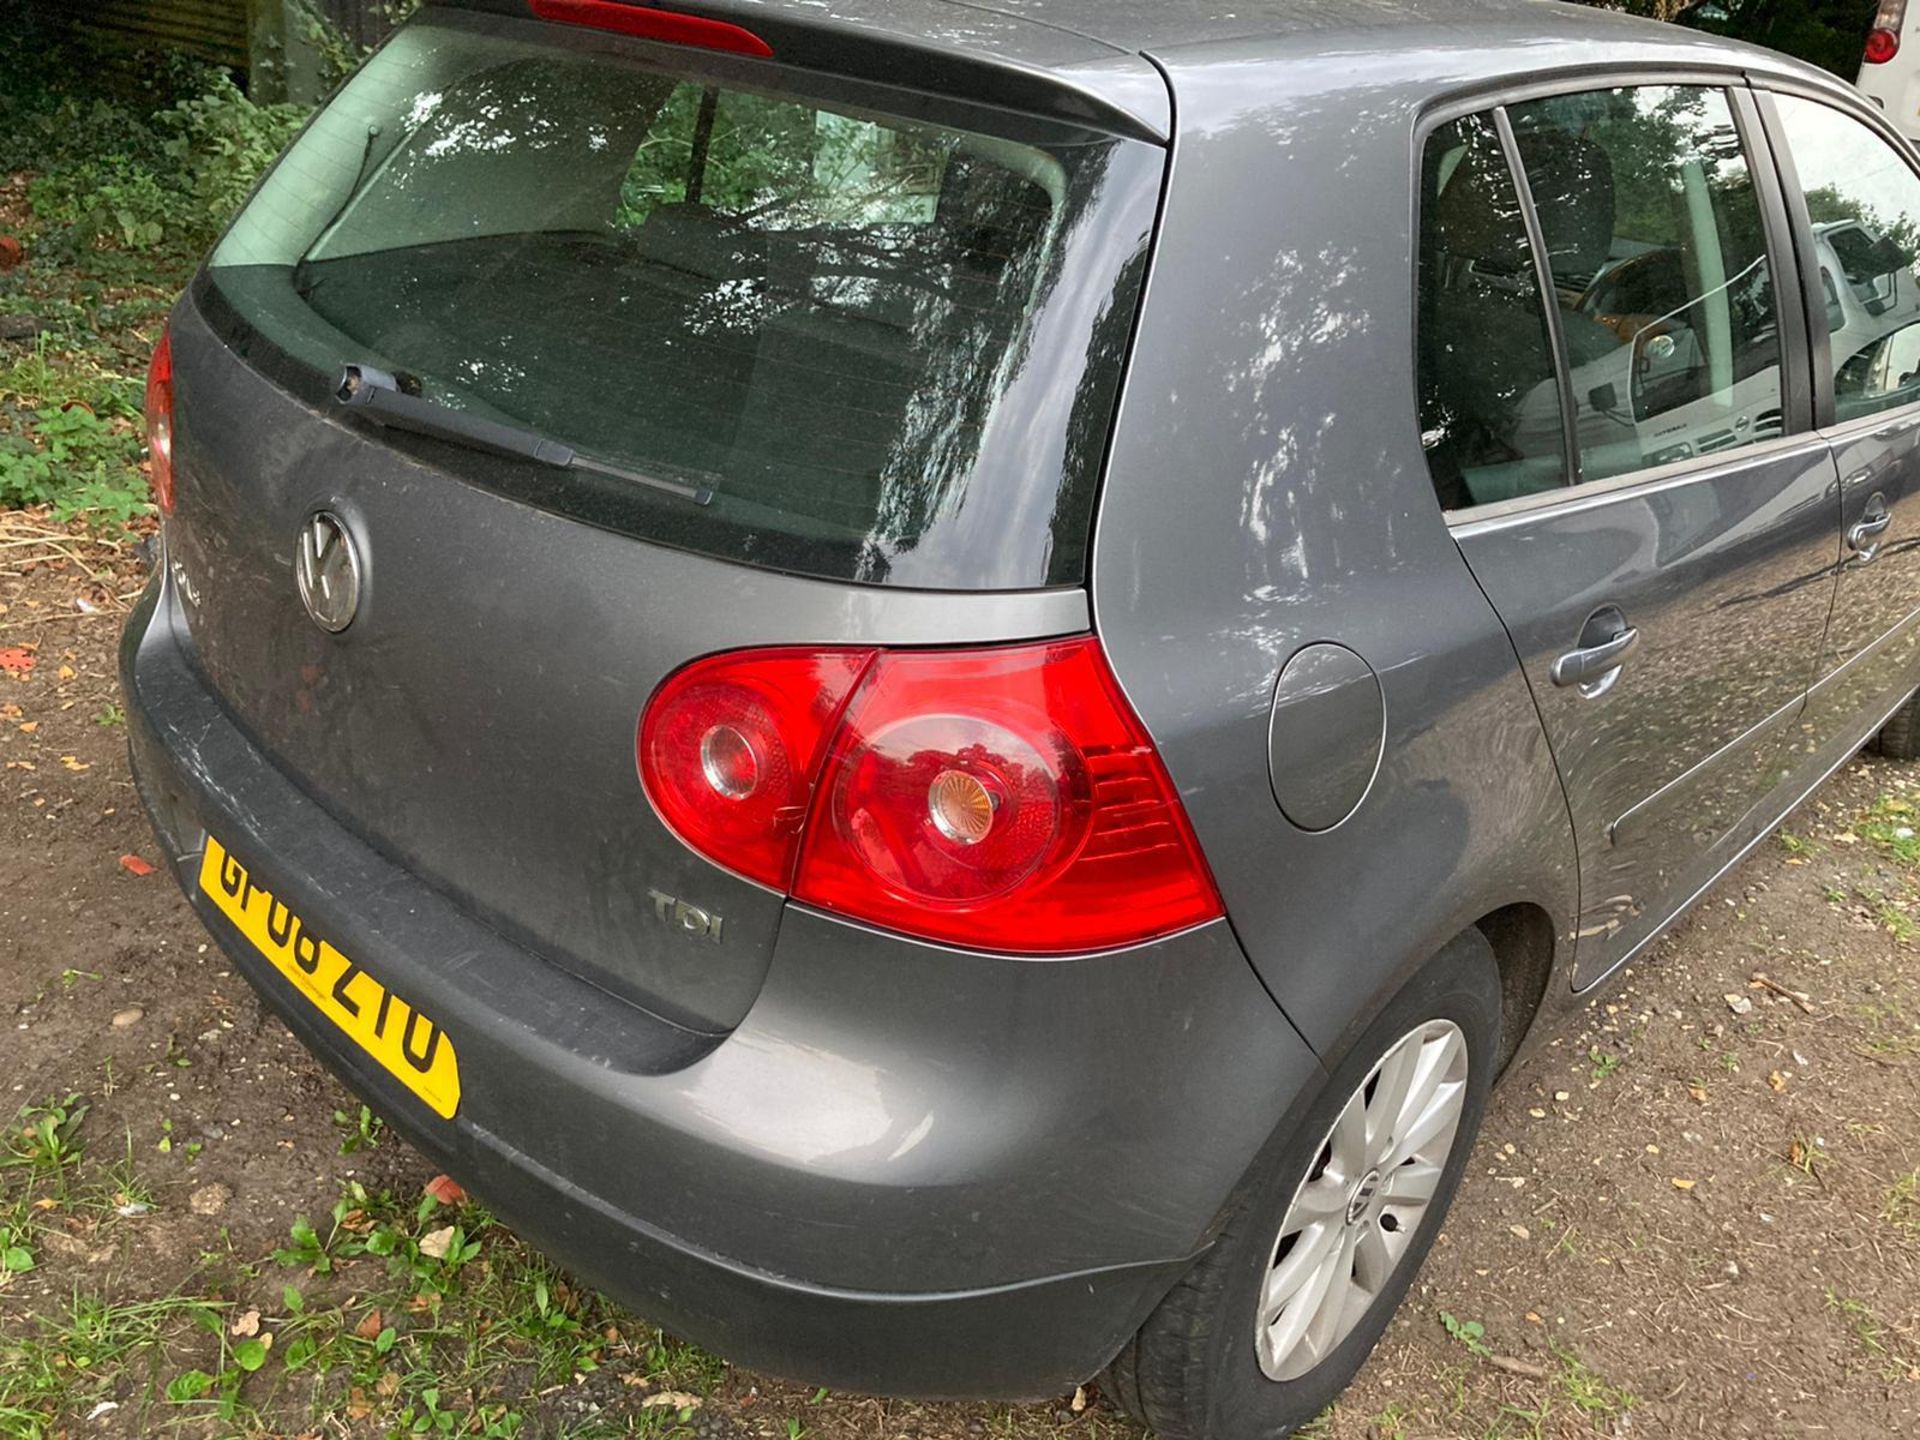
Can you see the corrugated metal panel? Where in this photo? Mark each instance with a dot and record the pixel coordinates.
(215, 30)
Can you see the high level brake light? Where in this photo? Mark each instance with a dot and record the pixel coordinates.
(160, 422)
(1003, 798)
(1883, 41)
(648, 23)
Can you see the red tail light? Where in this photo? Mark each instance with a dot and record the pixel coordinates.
(730, 746)
(651, 24)
(160, 422)
(1007, 798)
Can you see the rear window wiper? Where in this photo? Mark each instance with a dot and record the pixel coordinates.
(382, 399)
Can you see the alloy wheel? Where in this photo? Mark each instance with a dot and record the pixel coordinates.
(1353, 1219)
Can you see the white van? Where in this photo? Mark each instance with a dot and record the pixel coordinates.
(1890, 67)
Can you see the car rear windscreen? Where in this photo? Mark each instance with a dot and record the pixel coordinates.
(890, 347)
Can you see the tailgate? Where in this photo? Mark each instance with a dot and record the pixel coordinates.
(870, 338)
(476, 721)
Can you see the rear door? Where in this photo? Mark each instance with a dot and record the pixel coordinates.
(1855, 196)
(1645, 504)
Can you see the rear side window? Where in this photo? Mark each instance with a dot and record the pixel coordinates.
(1489, 405)
(1864, 201)
(1662, 294)
(889, 346)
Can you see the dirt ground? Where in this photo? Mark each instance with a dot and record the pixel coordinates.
(1696, 1213)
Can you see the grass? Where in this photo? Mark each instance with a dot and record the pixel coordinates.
(360, 1131)
(43, 1186)
(411, 1315)
(86, 1349)
(1889, 1350)
(1901, 1207)
(71, 435)
(1569, 1398)
(1575, 1399)
(1893, 828)
(1807, 1155)
(408, 1316)
(1891, 1033)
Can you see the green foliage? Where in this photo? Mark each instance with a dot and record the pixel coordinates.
(339, 55)
(16, 1255)
(168, 170)
(361, 1132)
(761, 153)
(1827, 33)
(1469, 1333)
(43, 1140)
(237, 1360)
(66, 1358)
(71, 437)
(77, 462)
(74, 458)
(307, 1248)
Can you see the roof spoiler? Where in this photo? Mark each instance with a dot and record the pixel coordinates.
(983, 57)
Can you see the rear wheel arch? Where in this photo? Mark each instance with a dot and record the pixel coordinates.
(1186, 1373)
(1522, 937)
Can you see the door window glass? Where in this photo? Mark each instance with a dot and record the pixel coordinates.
(1489, 404)
(1654, 235)
(1864, 201)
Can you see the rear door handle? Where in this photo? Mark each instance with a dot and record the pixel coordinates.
(1591, 664)
(1875, 520)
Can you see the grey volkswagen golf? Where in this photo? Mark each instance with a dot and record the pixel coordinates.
(937, 686)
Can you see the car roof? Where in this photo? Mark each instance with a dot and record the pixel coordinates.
(1099, 57)
(1154, 25)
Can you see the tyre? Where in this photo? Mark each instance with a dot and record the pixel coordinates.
(1273, 1321)
(1899, 738)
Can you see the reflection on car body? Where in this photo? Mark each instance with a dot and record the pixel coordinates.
(1202, 599)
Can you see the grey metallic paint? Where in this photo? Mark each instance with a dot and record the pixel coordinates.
(416, 721)
(1267, 490)
(925, 1123)
(1326, 736)
(841, 1155)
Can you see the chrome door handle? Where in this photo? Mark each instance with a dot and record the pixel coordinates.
(1591, 663)
(1874, 522)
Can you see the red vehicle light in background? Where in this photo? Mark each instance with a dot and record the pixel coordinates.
(160, 422)
(1883, 41)
(1004, 798)
(647, 23)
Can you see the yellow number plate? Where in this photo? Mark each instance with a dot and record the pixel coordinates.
(412, 1048)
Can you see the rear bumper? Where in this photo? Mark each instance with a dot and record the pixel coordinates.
(908, 1170)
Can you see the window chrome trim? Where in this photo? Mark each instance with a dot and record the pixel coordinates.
(1500, 514)
(1574, 80)
(1492, 99)
(1890, 424)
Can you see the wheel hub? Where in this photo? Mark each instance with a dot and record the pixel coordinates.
(1364, 1194)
